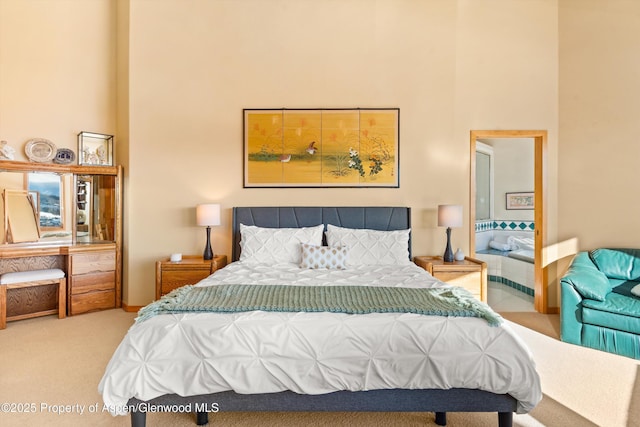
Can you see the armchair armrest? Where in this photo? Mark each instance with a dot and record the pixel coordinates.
(582, 280)
(570, 313)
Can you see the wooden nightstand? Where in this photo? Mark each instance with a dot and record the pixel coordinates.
(470, 274)
(189, 271)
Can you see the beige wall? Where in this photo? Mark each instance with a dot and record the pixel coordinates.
(599, 108)
(186, 69)
(57, 71)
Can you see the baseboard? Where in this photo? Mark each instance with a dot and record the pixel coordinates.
(131, 308)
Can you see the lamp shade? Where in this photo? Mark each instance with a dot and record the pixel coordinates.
(450, 216)
(208, 214)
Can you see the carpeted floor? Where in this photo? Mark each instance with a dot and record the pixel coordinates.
(50, 369)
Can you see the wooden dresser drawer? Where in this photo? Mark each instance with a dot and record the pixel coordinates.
(92, 301)
(92, 262)
(93, 282)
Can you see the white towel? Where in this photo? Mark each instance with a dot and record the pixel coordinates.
(636, 290)
(522, 243)
(500, 246)
(502, 238)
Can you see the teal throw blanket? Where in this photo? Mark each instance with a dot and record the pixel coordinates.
(451, 301)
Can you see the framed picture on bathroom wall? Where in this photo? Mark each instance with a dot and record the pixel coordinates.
(520, 201)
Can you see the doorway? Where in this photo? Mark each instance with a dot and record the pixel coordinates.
(540, 143)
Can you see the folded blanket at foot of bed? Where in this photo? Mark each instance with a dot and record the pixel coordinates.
(449, 301)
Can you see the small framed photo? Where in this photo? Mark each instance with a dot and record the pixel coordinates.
(522, 201)
(95, 149)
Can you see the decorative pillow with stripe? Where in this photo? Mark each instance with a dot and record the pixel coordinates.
(317, 257)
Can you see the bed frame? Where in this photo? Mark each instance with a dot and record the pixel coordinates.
(395, 400)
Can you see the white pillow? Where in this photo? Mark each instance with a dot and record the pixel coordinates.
(371, 247)
(316, 257)
(275, 245)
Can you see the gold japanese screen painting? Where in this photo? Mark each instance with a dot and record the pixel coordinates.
(321, 147)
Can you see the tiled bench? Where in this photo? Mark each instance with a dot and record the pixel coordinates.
(26, 279)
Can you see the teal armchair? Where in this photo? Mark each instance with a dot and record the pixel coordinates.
(598, 309)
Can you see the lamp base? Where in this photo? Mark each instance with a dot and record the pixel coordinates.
(448, 253)
(208, 253)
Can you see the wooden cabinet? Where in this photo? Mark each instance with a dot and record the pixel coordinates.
(171, 275)
(88, 243)
(470, 273)
(91, 282)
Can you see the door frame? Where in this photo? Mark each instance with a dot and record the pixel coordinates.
(540, 190)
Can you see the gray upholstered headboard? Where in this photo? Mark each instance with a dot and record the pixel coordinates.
(370, 217)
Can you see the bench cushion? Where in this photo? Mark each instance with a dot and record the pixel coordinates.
(31, 276)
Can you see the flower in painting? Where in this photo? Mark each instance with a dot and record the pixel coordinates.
(356, 163)
(375, 166)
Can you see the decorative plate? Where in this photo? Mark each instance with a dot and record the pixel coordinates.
(40, 150)
(64, 156)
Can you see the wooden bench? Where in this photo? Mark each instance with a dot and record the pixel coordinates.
(27, 279)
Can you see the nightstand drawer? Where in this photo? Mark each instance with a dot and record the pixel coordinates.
(469, 273)
(470, 280)
(175, 278)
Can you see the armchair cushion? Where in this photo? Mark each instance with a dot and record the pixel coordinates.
(618, 263)
(590, 282)
(617, 312)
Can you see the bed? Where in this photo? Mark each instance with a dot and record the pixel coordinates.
(284, 361)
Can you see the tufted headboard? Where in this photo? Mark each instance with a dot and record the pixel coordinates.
(370, 217)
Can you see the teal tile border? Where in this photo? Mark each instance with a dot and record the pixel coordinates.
(484, 225)
(508, 225)
(512, 284)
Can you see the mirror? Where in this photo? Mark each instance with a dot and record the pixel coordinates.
(96, 208)
(72, 204)
(46, 189)
(484, 181)
(50, 199)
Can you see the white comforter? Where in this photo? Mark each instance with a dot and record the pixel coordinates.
(314, 353)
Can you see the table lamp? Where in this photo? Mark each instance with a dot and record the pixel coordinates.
(208, 215)
(449, 216)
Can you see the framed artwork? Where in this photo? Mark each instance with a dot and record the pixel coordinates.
(517, 201)
(95, 149)
(321, 147)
